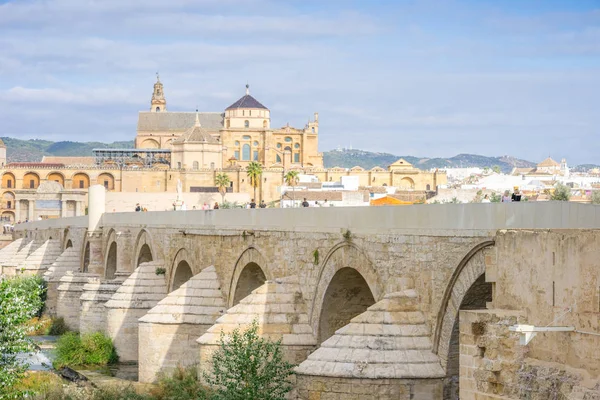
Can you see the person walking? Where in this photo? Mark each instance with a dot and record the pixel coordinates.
(262, 204)
(216, 206)
(252, 204)
(305, 203)
(138, 207)
(506, 197)
(486, 199)
(516, 196)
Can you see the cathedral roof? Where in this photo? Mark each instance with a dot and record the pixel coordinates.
(247, 101)
(178, 121)
(548, 162)
(196, 134)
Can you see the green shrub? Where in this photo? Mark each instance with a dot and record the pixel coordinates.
(21, 299)
(73, 350)
(247, 366)
(58, 327)
(182, 384)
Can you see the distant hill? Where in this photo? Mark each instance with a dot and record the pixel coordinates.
(33, 150)
(349, 158)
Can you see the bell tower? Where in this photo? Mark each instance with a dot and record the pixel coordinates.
(158, 102)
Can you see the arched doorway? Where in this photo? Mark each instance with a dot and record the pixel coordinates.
(252, 277)
(8, 181)
(31, 180)
(111, 261)
(107, 180)
(86, 258)
(183, 273)
(347, 296)
(56, 177)
(145, 255)
(81, 181)
(407, 183)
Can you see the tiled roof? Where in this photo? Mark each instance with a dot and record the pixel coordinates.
(68, 160)
(196, 134)
(246, 101)
(178, 121)
(33, 165)
(548, 162)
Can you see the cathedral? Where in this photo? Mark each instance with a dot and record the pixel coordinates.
(189, 149)
(239, 135)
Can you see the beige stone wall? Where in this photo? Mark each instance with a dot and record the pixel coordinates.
(164, 347)
(541, 278)
(327, 388)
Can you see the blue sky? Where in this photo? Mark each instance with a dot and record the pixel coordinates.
(423, 77)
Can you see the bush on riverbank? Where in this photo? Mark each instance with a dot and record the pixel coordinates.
(74, 350)
(53, 326)
(21, 299)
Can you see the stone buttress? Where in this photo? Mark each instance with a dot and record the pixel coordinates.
(279, 308)
(68, 261)
(68, 294)
(9, 252)
(11, 265)
(168, 332)
(94, 295)
(383, 353)
(41, 258)
(141, 291)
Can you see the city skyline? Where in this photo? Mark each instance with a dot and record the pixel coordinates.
(424, 78)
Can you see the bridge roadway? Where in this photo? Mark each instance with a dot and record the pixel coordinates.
(403, 272)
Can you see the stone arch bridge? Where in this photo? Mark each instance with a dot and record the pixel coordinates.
(365, 300)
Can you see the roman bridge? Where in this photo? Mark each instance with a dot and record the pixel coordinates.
(365, 300)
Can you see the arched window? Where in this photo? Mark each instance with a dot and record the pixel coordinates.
(297, 146)
(157, 109)
(246, 124)
(313, 129)
(288, 139)
(296, 157)
(428, 187)
(278, 159)
(287, 148)
(247, 137)
(195, 165)
(246, 152)
(255, 143)
(278, 145)
(237, 143)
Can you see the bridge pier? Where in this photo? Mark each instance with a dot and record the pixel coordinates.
(68, 261)
(141, 291)
(279, 309)
(168, 332)
(383, 353)
(41, 258)
(94, 295)
(69, 290)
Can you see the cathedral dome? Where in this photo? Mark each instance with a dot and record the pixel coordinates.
(247, 101)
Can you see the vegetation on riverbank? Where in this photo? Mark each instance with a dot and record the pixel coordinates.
(91, 349)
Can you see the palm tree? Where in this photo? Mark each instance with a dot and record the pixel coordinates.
(254, 170)
(291, 179)
(222, 182)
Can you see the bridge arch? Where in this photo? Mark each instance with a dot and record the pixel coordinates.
(466, 289)
(249, 273)
(85, 259)
(346, 273)
(110, 263)
(181, 270)
(144, 249)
